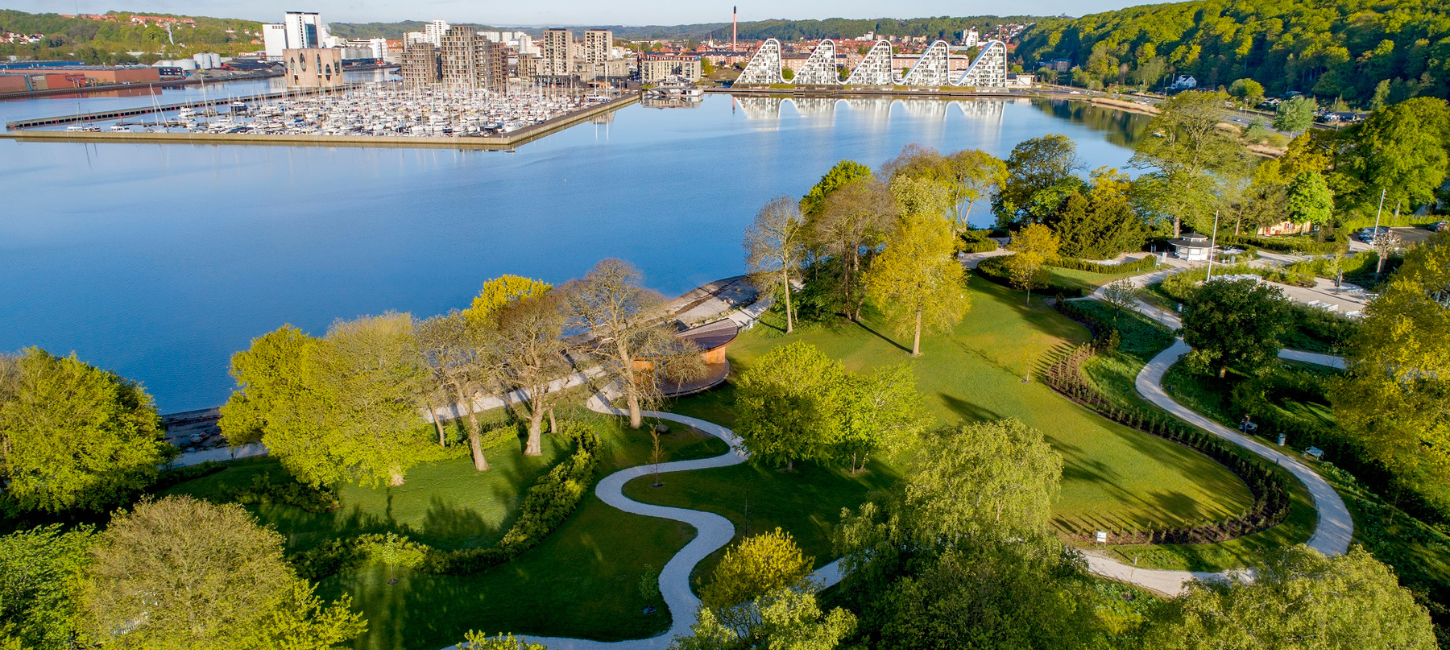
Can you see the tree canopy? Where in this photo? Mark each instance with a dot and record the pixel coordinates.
(916, 281)
(73, 435)
(1234, 324)
(787, 404)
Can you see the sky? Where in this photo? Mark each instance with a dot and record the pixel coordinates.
(566, 12)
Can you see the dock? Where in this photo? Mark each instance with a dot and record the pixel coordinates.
(505, 142)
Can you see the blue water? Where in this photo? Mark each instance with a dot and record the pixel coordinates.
(159, 262)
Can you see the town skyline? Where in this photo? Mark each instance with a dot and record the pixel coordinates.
(568, 13)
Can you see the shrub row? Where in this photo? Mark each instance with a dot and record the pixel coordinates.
(549, 502)
(291, 493)
(978, 241)
(1139, 265)
(1180, 286)
(1269, 488)
(1286, 244)
(177, 475)
(994, 269)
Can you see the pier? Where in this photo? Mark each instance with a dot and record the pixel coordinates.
(122, 113)
(504, 142)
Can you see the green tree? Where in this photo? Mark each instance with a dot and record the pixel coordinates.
(1310, 199)
(1295, 115)
(534, 357)
(343, 408)
(478, 641)
(1401, 150)
(880, 410)
(787, 405)
(843, 173)
(1248, 92)
(849, 230)
(1396, 399)
(754, 566)
(975, 176)
(73, 435)
(461, 354)
(613, 306)
(1039, 178)
(41, 572)
(1033, 246)
(773, 250)
(1102, 223)
(1301, 599)
(783, 619)
(1187, 152)
(916, 281)
(1001, 476)
(503, 291)
(1235, 323)
(182, 573)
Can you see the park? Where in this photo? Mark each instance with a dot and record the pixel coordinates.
(1053, 433)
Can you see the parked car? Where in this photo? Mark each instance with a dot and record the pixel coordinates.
(1440, 226)
(1367, 235)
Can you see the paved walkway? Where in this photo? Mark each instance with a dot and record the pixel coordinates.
(1335, 528)
(712, 533)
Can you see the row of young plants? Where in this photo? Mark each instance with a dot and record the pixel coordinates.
(548, 503)
(1269, 487)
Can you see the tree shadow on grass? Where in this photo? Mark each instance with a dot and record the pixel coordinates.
(861, 324)
(968, 411)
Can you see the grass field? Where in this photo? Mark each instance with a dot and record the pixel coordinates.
(590, 567)
(1114, 477)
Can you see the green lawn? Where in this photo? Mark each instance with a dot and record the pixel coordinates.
(590, 567)
(1114, 477)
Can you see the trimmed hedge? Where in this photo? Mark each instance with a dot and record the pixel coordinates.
(994, 269)
(264, 491)
(1286, 244)
(978, 241)
(1147, 263)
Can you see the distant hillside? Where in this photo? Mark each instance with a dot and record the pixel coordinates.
(103, 41)
(944, 27)
(1354, 49)
(392, 31)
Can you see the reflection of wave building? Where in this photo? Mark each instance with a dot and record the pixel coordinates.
(815, 107)
(932, 69)
(760, 108)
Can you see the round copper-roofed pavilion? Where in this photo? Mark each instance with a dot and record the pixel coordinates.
(711, 339)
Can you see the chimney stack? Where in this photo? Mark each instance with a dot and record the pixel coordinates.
(734, 26)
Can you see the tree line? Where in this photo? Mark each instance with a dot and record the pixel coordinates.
(1352, 49)
(106, 42)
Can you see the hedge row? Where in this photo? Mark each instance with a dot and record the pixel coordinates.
(551, 500)
(1269, 488)
(1139, 265)
(978, 241)
(264, 491)
(1286, 244)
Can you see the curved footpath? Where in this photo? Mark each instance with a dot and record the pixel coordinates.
(712, 533)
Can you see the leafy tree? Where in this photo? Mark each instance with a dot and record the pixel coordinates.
(1039, 178)
(1187, 151)
(976, 175)
(1034, 245)
(504, 290)
(1301, 599)
(842, 174)
(1235, 323)
(1249, 92)
(1295, 115)
(182, 573)
(916, 281)
(1310, 199)
(881, 409)
(992, 475)
(40, 572)
(1401, 150)
(611, 304)
(534, 356)
(1102, 223)
(73, 435)
(478, 641)
(787, 404)
(773, 250)
(1397, 396)
(754, 566)
(343, 408)
(1122, 295)
(461, 355)
(849, 228)
(783, 619)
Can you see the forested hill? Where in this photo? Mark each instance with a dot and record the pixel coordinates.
(944, 27)
(1344, 48)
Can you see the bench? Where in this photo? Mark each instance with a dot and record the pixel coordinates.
(1315, 453)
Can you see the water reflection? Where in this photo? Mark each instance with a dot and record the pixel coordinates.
(1124, 129)
(160, 261)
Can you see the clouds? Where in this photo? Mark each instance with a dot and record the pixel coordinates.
(564, 12)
